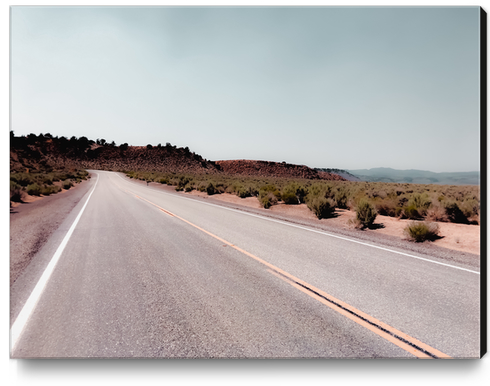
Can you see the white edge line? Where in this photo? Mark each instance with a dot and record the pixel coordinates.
(25, 313)
(315, 231)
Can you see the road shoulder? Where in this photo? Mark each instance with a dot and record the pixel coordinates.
(32, 223)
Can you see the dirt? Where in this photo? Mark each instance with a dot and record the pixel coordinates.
(458, 237)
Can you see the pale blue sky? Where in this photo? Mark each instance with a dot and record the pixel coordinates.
(349, 88)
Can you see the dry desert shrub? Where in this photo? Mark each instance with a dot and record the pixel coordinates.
(454, 213)
(388, 207)
(436, 212)
(48, 190)
(16, 192)
(67, 184)
(33, 189)
(341, 197)
(269, 195)
(211, 189)
(268, 199)
(421, 231)
(41, 182)
(365, 213)
(470, 207)
(414, 201)
(294, 193)
(322, 207)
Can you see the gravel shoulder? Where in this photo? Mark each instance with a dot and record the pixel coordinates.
(33, 222)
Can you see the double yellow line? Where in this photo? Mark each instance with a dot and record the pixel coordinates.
(400, 339)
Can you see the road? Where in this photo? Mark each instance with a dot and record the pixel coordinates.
(141, 272)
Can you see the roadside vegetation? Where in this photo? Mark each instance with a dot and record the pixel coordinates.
(39, 166)
(446, 203)
(420, 231)
(43, 183)
(365, 213)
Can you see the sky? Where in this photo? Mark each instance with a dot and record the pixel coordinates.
(328, 87)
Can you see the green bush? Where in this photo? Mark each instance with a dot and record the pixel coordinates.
(453, 212)
(243, 192)
(341, 197)
(365, 213)
(436, 212)
(47, 190)
(47, 180)
(318, 190)
(253, 191)
(322, 207)
(293, 193)
(67, 184)
(211, 189)
(33, 189)
(301, 193)
(387, 208)
(269, 195)
(411, 212)
(290, 198)
(238, 189)
(470, 207)
(83, 174)
(181, 182)
(16, 192)
(421, 231)
(201, 186)
(264, 190)
(22, 179)
(268, 200)
(220, 188)
(418, 204)
(288, 194)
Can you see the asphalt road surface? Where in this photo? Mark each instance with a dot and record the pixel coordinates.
(138, 272)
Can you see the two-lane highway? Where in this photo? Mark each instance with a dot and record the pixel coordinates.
(148, 273)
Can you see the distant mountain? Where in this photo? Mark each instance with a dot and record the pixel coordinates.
(416, 176)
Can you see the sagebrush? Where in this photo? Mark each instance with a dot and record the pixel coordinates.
(402, 200)
(420, 231)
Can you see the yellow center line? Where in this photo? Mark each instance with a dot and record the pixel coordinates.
(402, 340)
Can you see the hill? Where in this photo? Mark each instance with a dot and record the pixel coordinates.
(43, 153)
(416, 176)
(274, 169)
(38, 153)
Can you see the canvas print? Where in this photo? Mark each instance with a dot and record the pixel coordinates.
(246, 182)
